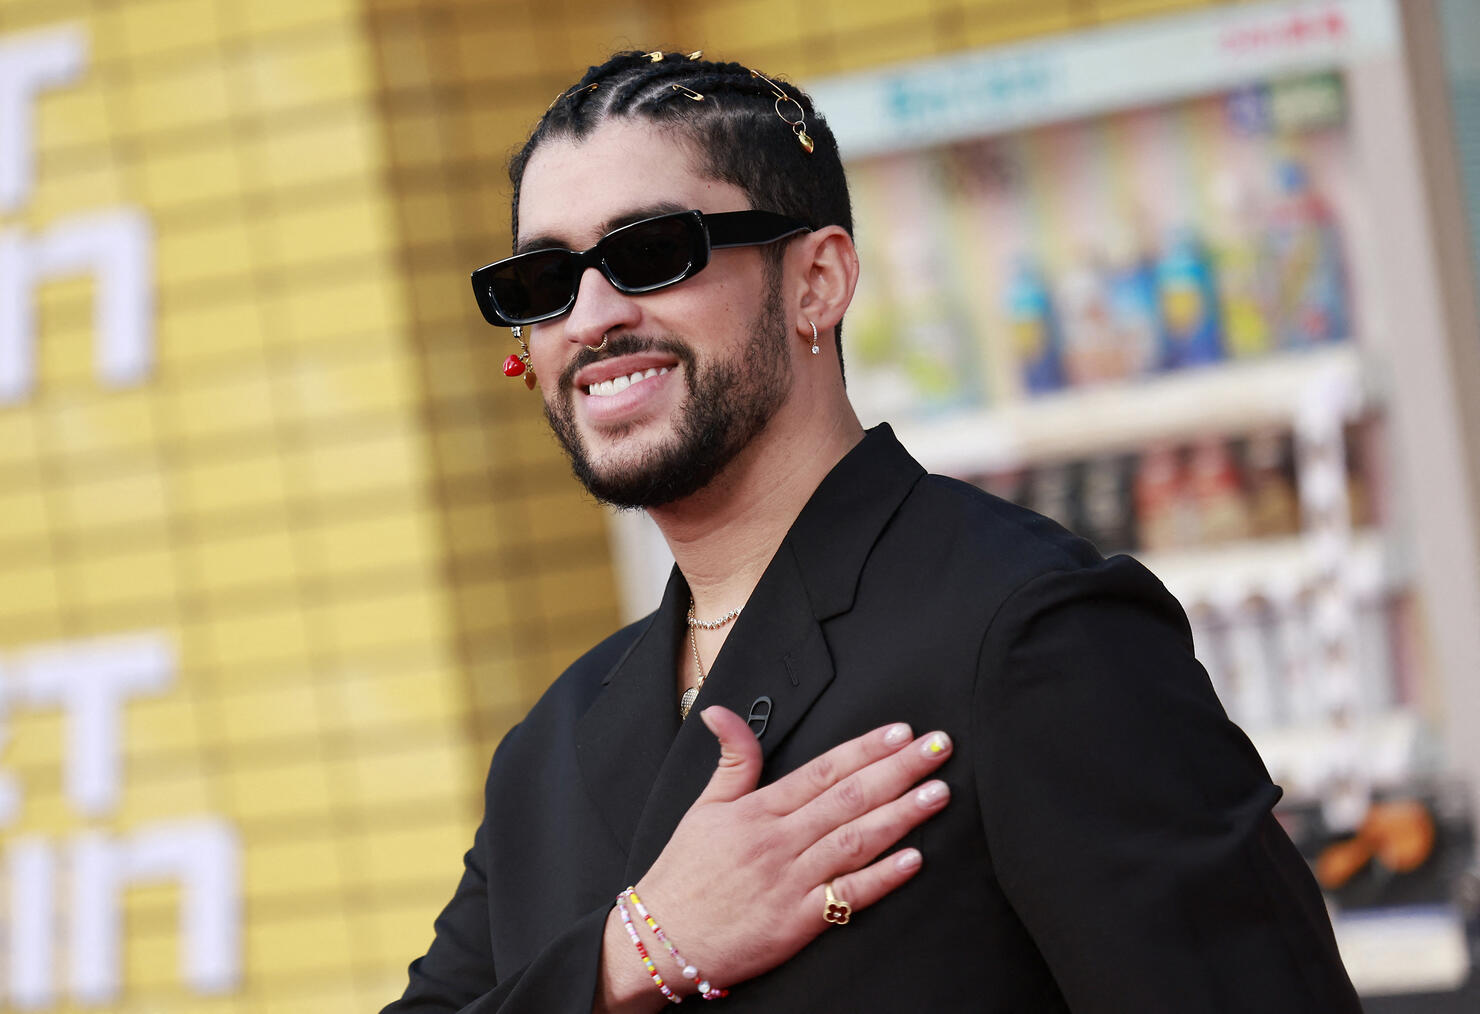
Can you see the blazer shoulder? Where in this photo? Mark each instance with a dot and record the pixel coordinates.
(981, 526)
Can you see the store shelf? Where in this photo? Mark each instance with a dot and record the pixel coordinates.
(1231, 573)
(1226, 399)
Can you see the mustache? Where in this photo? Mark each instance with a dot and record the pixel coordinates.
(626, 345)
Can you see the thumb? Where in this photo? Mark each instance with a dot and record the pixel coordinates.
(739, 769)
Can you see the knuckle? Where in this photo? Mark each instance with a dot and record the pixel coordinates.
(850, 794)
(821, 772)
(760, 847)
(848, 842)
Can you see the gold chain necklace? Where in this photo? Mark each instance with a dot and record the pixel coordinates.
(686, 701)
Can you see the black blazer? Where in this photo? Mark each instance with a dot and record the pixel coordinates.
(1108, 846)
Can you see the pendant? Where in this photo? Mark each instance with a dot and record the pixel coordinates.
(687, 701)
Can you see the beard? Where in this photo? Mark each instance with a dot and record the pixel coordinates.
(728, 403)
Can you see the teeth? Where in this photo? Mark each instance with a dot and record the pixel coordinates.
(607, 388)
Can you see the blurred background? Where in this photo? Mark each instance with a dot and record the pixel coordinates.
(283, 555)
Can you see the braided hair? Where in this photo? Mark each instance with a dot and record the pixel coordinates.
(735, 131)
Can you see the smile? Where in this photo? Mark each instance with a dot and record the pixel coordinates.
(616, 385)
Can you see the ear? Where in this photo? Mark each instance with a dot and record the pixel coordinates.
(825, 272)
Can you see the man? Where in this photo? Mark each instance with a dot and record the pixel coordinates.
(1078, 828)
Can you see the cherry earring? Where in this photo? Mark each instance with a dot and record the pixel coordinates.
(516, 365)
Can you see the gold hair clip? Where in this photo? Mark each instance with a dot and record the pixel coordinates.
(689, 92)
(656, 56)
(799, 125)
(569, 92)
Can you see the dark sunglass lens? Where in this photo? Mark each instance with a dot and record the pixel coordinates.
(650, 254)
(533, 284)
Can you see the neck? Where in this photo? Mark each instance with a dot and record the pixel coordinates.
(724, 536)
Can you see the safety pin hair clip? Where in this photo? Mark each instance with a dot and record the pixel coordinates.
(799, 125)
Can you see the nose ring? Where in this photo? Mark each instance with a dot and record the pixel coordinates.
(598, 348)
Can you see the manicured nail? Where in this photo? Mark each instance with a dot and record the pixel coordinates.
(898, 735)
(907, 860)
(937, 744)
(931, 793)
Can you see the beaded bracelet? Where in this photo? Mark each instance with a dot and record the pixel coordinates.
(707, 990)
(642, 953)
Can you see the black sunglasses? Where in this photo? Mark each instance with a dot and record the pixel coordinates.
(641, 257)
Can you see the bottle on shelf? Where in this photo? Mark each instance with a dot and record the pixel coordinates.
(1035, 329)
(1134, 325)
(1304, 258)
(1243, 296)
(1191, 333)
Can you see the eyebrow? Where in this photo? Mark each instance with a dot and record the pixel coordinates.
(551, 242)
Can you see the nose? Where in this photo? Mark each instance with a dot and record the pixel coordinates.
(599, 308)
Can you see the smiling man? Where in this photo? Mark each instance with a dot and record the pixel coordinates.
(979, 767)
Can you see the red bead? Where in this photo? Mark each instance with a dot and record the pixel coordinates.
(513, 366)
(529, 381)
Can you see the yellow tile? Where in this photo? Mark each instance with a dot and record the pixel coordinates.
(162, 25)
(36, 741)
(201, 174)
(65, 357)
(400, 930)
(910, 40)
(437, 770)
(215, 253)
(332, 231)
(254, 559)
(218, 332)
(24, 630)
(1111, 10)
(344, 548)
(29, 591)
(23, 516)
(250, 641)
(988, 26)
(341, 144)
(17, 436)
(562, 514)
(849, 15)
(239, 403)
(369, 303)
(176, 96)
(108, 500)
(121, 577)
(263, 16)
(324, 992)
(164, 723)
(314, 943)
(408, 853)
(306, 864)
(256, 714)
(309, 70)
(291, 787)
(320, 389)
(415, 614)
(95, 422)
(397, 698)
(382, 457)
(763, 23)
(185, 792)
(217, 483)
(77, 184)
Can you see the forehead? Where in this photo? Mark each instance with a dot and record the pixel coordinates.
(572, 189)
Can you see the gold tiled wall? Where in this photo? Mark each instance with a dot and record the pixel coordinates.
(345, 548)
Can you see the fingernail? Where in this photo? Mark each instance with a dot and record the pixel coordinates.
(898, 735)
(932, 793)
(907, 860)
(937, 744)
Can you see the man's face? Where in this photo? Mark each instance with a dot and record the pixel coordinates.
(689, 374)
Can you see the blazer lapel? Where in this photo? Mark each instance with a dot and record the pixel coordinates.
(776, 650)
(627, 731)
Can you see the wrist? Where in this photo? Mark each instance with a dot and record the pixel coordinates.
(623, 986)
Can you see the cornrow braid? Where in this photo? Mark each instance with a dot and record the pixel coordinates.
(739, 132)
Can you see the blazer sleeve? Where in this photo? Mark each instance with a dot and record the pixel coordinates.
(1129, 820)
(457, 972)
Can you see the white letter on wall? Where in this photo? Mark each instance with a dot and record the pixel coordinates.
(117, 248)
(92, 681)
(30, 867)
(28, 64)
(204, 855)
